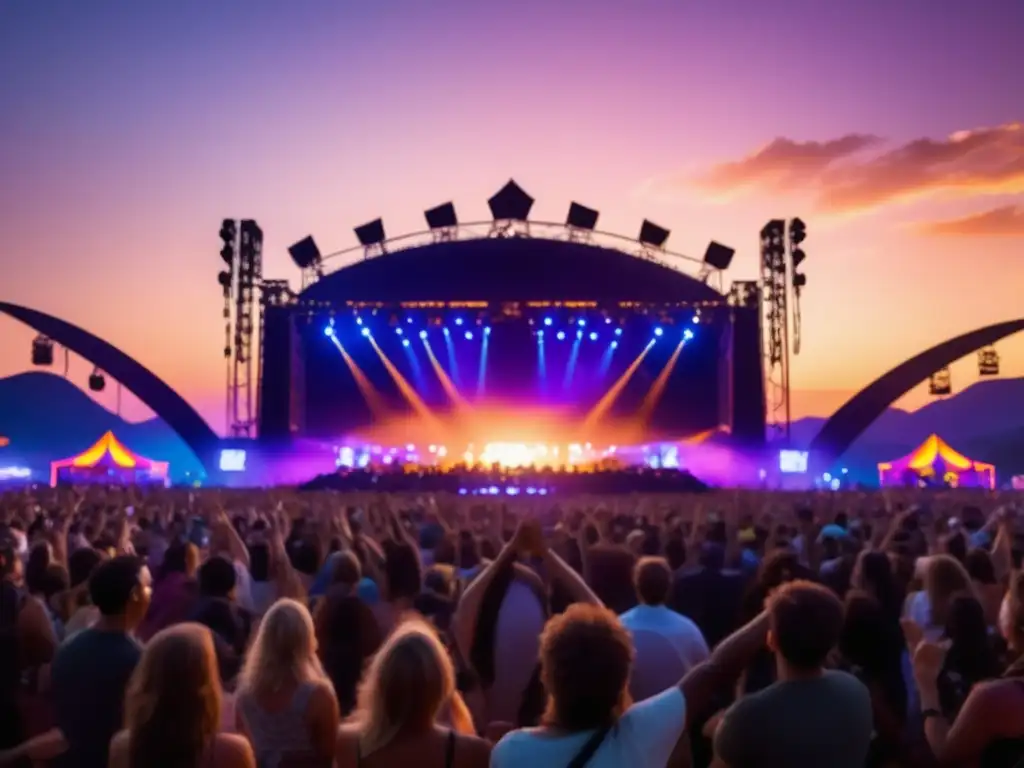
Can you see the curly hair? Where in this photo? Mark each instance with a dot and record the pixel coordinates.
(573, 645)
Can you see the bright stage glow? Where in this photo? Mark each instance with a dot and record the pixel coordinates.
(469, 335)
(446, 332)
(579, 334)
(548, 321)
(581, 322)
(687, 334)
(405, 342)
(658, 331)
(696, 319)
(423, 334)
(607, 321)
(487, 331)
(593, 336)
(366, 331)
(328, 331)
(408, 320)
(359, 320)
(398, 331)
(561, 336)
(615, 345)
(618, 331)
(458, 321)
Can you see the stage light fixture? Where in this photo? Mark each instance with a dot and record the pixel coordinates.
(398, 331)
(561, 336)
(458, 321)
(540, 335)
(593, 336)
(687, 334)
(445, 331)
(510, 203)
(469, 335)
(371, 234)
(579, 334)
(228, 235)
(97, 382)
(615, 345)
(366, 331)
(652, 235)
(581, 322)
(695, 319)
(487, 331)
(718, 256)
(797, 234)
(408, 320)
(329, 332)
(618, 331)
(658, 331)
(423, 334)
(305, 253)
(405, 342)
(607, 321)
(548, 321)
(42, 351)
(442, 217)
(581, 217)
(359, 320)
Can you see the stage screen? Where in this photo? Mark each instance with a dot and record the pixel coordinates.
(398, 376)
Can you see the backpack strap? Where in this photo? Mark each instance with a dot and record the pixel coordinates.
(589, 749)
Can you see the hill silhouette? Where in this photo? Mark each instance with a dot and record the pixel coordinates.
(47, 417)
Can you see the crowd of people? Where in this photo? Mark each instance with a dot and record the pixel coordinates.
(482, 480)
(278, 629)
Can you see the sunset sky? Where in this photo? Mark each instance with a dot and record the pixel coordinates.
(128, 130)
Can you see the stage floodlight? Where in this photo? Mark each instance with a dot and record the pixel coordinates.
(510, 203)
(581, 217)
(371, 233)
(228, 236)
(653, 235)
(42, 351)
(305, 253)
(718, 256)
(97, 383)
(774, 228)
(797, 231)
(442, 217)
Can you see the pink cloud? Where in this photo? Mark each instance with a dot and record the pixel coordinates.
(1007, 221)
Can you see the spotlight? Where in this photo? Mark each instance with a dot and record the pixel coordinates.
(687, 334)
(696, 319)
(579, 334)
(658, 331)
(581, 217)
(548, 321)
(408, 320)
(458, 321)
(561, 336)
(540, 335)
(442, 217)
(366, 331)
(446, 332)
(653, 235)
(329, 332)
(469, 335)
(487, 331)
(305, 253)
(593, 336)
(718, 256)
(359, 321)
(615, 345)
(42, 351)
(618, 331)
(607, 321)
(510, 203)
(398, 331)
(405, 342)
(97, 383)
(371, 234)
(581, 322)
(423, 334)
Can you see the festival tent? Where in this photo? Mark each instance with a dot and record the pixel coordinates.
(935, 462)
(108, 461)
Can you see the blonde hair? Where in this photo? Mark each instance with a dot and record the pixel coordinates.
(410, 680)
(172, 705)
(284, 651)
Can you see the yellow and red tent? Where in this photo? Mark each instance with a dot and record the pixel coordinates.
(935, 456)
(109, 456)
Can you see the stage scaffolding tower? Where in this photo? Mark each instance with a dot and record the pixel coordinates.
(775, 306)
(249, 275)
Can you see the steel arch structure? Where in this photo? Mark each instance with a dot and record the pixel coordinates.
(136, 378)
(856, 415)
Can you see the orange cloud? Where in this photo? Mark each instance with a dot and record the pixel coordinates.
(842, 179)
(1007, 221)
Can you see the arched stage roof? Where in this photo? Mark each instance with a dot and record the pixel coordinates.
(136, 378)
(856, 415)
(509, 269)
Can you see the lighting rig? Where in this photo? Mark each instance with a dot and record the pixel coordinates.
(42, 351)
(940, 383)
(988, 362)
(226, 279)
(249, 276)
(774, 297)
(97, 382)
(797, 234)
(510, 209)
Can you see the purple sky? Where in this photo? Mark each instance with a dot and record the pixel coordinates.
(128, 130)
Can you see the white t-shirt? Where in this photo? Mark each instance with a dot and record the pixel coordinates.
(684, 635)
(644, 736)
